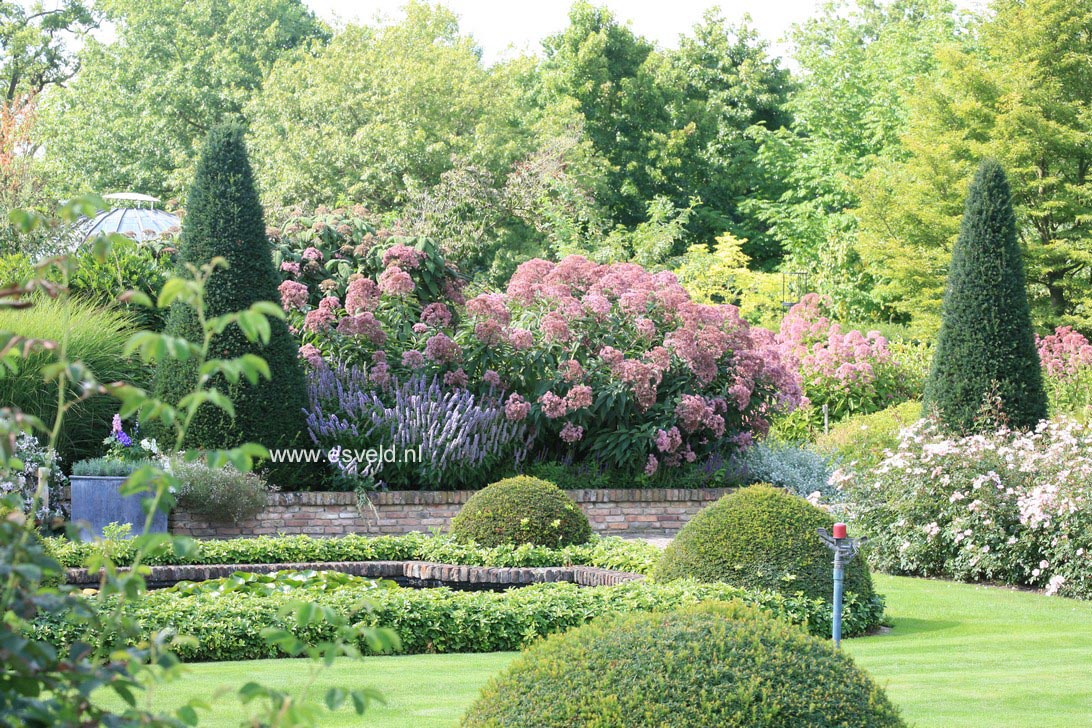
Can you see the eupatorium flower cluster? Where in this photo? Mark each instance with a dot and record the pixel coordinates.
(850, 371)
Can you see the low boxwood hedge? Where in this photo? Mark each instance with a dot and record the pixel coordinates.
(227, 626)
(607, 553)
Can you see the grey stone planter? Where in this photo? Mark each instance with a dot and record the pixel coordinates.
(97, 502)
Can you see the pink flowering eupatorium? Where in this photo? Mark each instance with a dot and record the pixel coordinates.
(848, 371)
(293, 295)
(571, 433)
(516, 408)
(395, 282)
(553, 406)
(442, 350)
(403, 256)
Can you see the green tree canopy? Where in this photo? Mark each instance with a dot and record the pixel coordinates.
(672, 124)
(1017, 91)
(138, 112)
(725, 83)
(859, 63)
(35, 44)
(384, 107)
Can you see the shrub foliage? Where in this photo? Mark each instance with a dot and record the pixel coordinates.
(986, 346)
(761, 538)
(438, 620)
(608, 553)
(521, 510)
(224, 219)
(722, 664)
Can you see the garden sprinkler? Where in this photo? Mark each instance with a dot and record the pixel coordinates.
(844, 550)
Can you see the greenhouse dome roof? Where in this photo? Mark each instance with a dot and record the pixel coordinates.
(141, 222)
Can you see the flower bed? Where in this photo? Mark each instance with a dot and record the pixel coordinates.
(573, 362)
(1008, 507)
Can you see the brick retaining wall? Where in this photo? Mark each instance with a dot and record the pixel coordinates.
(637, 512)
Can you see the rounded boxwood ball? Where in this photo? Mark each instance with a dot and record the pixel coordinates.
(717, 664)
(761, 537)
(521, 510)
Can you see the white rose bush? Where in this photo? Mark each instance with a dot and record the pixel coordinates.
(1009, 507)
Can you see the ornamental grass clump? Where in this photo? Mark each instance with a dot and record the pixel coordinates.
(719, 663)
(521, 510)
(1005, 506)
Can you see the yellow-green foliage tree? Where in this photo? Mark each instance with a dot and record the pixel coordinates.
(1016, 91)
(721, 275)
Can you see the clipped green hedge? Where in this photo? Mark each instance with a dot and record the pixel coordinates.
(723, 664)
(227, 626)
(521, 510)
(607, 553)
(761, 537)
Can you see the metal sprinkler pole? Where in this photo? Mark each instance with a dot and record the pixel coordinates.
(839, 584)
(844, 550)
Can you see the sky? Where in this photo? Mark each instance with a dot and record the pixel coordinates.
(498, 25)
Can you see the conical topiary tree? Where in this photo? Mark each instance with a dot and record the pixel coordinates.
(224, 218)
(986, 347)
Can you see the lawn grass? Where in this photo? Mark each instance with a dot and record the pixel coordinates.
(958, 655)
(962, 655)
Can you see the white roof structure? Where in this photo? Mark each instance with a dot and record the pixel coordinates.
(141, 222)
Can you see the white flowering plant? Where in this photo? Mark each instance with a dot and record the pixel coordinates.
(20, 477)
(1010, 507)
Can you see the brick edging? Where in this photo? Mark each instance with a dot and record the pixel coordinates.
(419, 570)
(458, 497)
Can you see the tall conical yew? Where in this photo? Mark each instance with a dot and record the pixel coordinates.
(986, 346)
(224, 218)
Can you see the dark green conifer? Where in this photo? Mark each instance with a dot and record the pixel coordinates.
(986, 348)
(224, 218)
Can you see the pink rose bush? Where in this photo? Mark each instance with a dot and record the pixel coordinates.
(1013, 507)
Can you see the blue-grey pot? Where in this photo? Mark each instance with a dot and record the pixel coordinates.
(97, 502)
